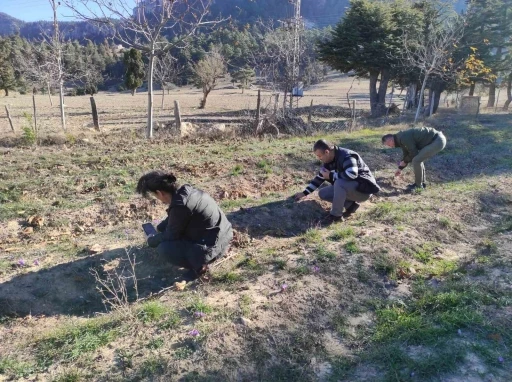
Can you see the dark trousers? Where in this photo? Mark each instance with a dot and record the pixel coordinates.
(190, 255)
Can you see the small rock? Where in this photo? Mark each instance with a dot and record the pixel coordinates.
(96, 248)
(245, 321)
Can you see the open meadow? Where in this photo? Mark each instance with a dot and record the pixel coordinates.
(413, 287)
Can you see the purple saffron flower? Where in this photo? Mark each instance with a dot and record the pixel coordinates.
(36, 262)
(413, 374)
(193, 333)
(500, 359)
(21, 262)
(284, 287)
(199, 314)
(315, 268)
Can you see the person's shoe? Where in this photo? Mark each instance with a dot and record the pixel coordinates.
(192, 274)
(350, 210)
(331, 219)
(413, 187)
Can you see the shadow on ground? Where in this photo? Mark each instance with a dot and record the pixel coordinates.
(70, 288)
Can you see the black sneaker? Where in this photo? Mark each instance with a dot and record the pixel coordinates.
(331, 219)
(413, 187)
(350, 210)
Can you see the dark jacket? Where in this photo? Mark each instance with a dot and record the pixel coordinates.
(348, 165)
(413, 140)
(195, 217)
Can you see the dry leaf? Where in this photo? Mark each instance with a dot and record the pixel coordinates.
(180, 285)
(28, 231)
(35, 221)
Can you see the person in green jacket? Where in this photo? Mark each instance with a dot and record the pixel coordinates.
(418, 145)
(196, 231)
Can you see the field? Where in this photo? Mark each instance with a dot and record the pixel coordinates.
(414, 287)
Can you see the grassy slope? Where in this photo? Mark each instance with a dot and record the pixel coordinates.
(414, 287)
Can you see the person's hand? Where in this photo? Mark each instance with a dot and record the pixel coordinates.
(398, 173)
(298, 196)
(325, 173)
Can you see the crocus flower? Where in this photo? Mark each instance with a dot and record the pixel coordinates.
(199, 314)
(315, 268)
(284, 287)
(193, 333)
(21, 262)
(36, 262)
(500, 359)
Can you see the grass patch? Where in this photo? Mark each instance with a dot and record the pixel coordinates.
(16, 369)
(312, 235)
(237, 170)
(198, 305)
(385, 264)
(351, 247)
(280, 264)
(152, 367)
(340, 324)
(323, 254)
(265, 166)
(229, 277)
(171, 320)
(71, 342)
(341, 233)
(152, 311)
(391, 212)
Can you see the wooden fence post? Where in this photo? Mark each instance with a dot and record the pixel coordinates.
(35, 115)
(432, 104)
(95, 119)
(258, 108)
(276, 104)
(9, 117)
(310, 113)
(177, 115)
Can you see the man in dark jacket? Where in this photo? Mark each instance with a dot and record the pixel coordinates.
(351, 180)
(418, 145)
(196, 231)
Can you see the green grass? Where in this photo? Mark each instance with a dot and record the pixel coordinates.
(16, 369)
(237, 170)
(152, 366)
(152, 311)
(198, 305)
(341, 233)
(265, 166)
(323, 254)
(393, 213)
(228, 277)
(312, 235)
(71, 342)
(351, 247)
(280, 264)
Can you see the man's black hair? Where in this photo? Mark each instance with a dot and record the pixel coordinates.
(386, 137)
(323, 145)
(157, 181)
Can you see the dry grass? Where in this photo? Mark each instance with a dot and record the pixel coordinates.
(412, 287)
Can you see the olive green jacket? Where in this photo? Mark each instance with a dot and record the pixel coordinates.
(413, 140)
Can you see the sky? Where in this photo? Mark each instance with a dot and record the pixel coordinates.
(35, 10)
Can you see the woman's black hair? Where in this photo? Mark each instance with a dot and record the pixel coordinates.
(157, 181)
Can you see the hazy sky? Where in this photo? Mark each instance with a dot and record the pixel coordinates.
(32, 10)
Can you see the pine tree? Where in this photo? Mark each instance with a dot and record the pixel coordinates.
(7, 74)
(134, 69)
(244, 76)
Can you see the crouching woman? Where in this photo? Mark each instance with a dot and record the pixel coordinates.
(196, 231)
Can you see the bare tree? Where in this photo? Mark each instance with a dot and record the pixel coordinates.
(208, 71)
(432, 56)
(167, 71)
(39, 67)
(56, 50)
(142, 27)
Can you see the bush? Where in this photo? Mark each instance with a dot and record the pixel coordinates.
(29, 136)
(80, 91)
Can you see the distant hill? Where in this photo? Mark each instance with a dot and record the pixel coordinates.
(316, 13)
(9, 25)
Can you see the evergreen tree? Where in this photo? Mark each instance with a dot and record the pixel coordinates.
(134, 69)
(244, 76)
(7, 74)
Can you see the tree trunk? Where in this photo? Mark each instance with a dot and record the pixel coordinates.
(49, 93)
(206, 91)
(133, 92)
(492, 95)
(422, 91)
(472, 89)
(151, 67)
(61, 98)
(383, 89)
(374, 96)
(438, 88)
(509, 92)
(163, 95)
